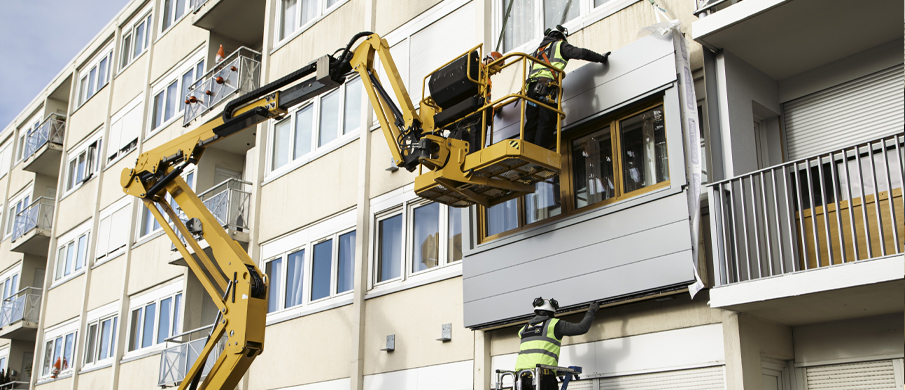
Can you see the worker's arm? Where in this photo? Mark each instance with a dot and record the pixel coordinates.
(566, 328)
(570, 52)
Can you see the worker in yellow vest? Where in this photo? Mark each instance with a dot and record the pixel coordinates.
(540, 124)
(541, 339)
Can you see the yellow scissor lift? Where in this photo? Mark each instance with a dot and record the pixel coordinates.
(458, 173)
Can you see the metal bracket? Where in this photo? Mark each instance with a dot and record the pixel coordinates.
(446, 333)
(391, 343)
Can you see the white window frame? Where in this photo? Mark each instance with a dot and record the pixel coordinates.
(108, 214)
(97, 317)
(322, 10)
(22, 137)
(65, 243)
(10, 283)
(402, 202)
(145, 213)
(306, 239)
(162, 87)
(122, 151)
(90, 151)
(85, 73)
(171, 13)
(343, 137)
(55, 335)
(127, 52)
(6, 159)
(19, 203)
(141, 302)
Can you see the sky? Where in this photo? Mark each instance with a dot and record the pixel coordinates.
(38, 38)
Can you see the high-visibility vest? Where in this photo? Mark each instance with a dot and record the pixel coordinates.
(552, 55)
(539, 345)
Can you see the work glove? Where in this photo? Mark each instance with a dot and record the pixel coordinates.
(605, 59)
(593, 308)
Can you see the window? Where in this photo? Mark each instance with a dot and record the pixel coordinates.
(153, 322)
(168, 99)
(100, 345)
(113, 231)
(173, 11)
(71, 256)
(83, 163)
(5, 159)
(295, 14)
(58, 352)
(125, 126)
(9, 285)
(19, 203)
(94, 76)
(416, 238)
(529, 18)
(318, 270)
(136, 40)
(316, 125)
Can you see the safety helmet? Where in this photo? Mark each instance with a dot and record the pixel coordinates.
(558, 30)
(541, 304)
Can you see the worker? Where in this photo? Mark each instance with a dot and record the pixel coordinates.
(540, 124)
(541, 339)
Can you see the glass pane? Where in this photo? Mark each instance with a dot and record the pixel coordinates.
(502, 217)
(80, 169)
(389, 257)
(352, 108)
(58, 351)
(135, 330)
(592, 168)
(180, 9)
(288, 13)
(522, 25)
(70, 258)
(454, 234)
(309, 11)
(124, 55)
(92, 78)
(331, 2)
(67, 351)
(304, 120)
(172, 104)
(157, 114)
(177, 315)
(295, 272)
(106, 336)
(559, 12)
(90, 344)
(598, 3)
(102, 73)
(321, 270)
(329, 126)
(73, 172)
(83, 96)
(167, 14)
(147, 333)
(139, 41)
(82, 252)
(280, 144)
(199, 70)
(346, 268)
(187, 79)
(425, 237)
(644, 160)
(544, 202)
(274, 271)
(147, 37)
(48, 358)
(163, 323)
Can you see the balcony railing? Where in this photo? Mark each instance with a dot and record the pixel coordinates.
(175, 362)
(228, 201)
(830, 209)
(23, 305)
(239, 72)
(197, 4)
(38, 215)
(14, 385)
(52, 130)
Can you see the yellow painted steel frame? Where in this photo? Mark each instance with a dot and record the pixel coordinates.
(227, 275)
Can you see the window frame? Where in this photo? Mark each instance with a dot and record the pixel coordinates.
(83, 96)
(120, 115)
(322, 10)
(6, 157)
(127, 54)
(140, 304)
(59, 334)
(174, 19)
(91, 151)
(567, 181)
(61, 253)
(110, 212)
(162, 87)
(19, 202)
(114, 333)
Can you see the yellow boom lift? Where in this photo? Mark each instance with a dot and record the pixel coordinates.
(448, 137)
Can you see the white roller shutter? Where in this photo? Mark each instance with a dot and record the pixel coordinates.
(103, 237)
(119, 228)
(692, 379)
(863, 375)
(858, 110)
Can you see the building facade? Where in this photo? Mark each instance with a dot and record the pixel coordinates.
(786, 115)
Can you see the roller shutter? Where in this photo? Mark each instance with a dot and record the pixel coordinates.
(692, 379)
(863, 375)
(858, 110)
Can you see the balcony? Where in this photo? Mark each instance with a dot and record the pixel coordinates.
(175, 362)
(219, 16)
(14, 385)
(19, 314)
(238, 73)
(44, 146)
(31, 228)
(816, 238)
(229, 201)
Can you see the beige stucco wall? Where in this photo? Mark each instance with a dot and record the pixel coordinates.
(59, 384)
(130, 83)
(87, 118)
(416, 317)
(148, 267)
(321, 340)
(139, 374)
(747, 341)
(394, 13)
(383, 181)
(100, 379)
(18, 180)
(64, 301)
(106, 283)
(77, 207)
(111, 189)
(175, 45)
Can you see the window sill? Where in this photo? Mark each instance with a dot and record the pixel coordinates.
(49, 379)
(146, 238)
(291, 166)
(109, 258)
(178, 115)
(306, 27)
(66, 278)
(88, 99)
(421, 279)
(66, 193)
(129, 65)
(96, 366)
(301, 311)
(142, 353)
(113, 162)
(172, 27)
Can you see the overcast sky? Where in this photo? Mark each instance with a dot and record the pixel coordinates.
(38, 38)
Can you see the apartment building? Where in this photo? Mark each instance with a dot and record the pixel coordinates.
(792, 109)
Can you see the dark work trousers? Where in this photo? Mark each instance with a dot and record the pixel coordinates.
(540, 123)
(547, 382)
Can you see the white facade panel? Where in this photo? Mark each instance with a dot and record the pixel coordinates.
(450, 376)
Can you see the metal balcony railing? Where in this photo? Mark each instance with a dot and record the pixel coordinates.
(176, 361)
(830, 209)
(14, 385)
(239, 72)
(197, 4)
(52, 130)
(707, 7)
(39, 215)
(228, 201)
(23, 305)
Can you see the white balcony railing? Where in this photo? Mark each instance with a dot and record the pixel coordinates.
(23, 305)
(238, 73)
(830, 209)
(176, 361)
(52, 130)
(228, 202)
(38, 215)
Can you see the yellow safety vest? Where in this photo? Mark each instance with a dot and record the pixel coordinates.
(539, 345)
(553, 54)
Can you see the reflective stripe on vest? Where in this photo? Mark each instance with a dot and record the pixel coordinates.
(555, 57)
(538, 348)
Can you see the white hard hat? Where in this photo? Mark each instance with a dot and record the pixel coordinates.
(541, 304)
